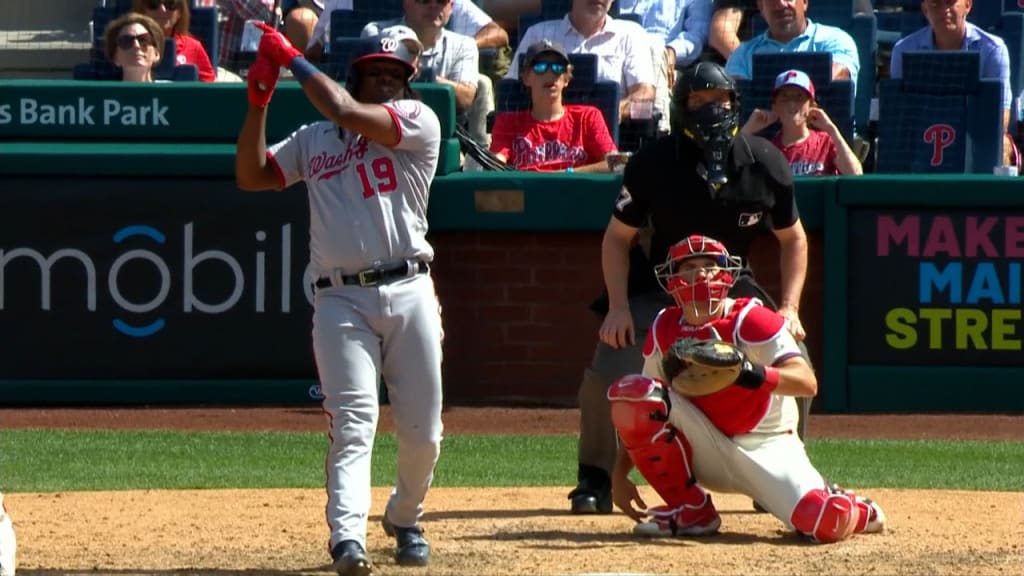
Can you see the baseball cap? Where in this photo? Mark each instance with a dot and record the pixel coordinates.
(794, 78)
(538, 48)
(403, 34)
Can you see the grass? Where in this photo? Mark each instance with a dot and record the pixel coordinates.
(55, 461)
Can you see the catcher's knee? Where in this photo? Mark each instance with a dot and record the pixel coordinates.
(639, 408)
(826, 516)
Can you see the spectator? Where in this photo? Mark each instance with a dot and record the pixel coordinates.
(233, 16)
(678, 31)
(551, 136)
(681, 26)
(466, 19)
(732, 22)
(447, 58)
(789, 30)
(808, 138)
(622, 49)
(134, 42)
(174, 17)
(301, 18)
(948, 29)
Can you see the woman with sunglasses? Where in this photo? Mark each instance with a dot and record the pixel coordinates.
(134, 43)
(551, 136)
(173, 16)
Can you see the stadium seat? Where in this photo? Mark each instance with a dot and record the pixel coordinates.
(949, 121)
(985, 15)
(206, 29)
(584, 68)
(557, 9)
(340, 54)
(511, 95)
(1011, 30)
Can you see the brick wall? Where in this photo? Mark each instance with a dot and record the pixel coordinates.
(518, 327)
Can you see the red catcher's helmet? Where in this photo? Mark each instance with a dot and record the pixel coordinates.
(698, 287)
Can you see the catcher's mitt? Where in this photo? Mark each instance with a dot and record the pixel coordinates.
(702, 367)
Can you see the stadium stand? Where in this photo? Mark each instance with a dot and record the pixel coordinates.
(350, 23)
(940, 117)
(511, 95)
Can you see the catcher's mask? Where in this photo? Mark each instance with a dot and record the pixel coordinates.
(711, 126)
(701, 288)
(383, 47)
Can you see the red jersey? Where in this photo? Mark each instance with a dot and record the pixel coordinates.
(762, 335)
(578, 138)
(191, 51)
(814, 156)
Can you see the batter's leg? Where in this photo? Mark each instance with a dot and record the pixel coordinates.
(347, 355)
(411, 332)
(598, 443)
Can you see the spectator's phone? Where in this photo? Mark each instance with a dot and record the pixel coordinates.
(251, 35)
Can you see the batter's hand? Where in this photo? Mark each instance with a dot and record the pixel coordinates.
(276, 47)
(625, 495)
(263, 75)
(792, 316)
(617, 329)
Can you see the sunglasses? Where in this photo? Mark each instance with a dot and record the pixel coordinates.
(542, 67)
(127, 41)
(168, 4)
(438, 2)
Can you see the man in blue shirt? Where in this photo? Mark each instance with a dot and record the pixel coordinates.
(789, 30)
(948, 29)
(681, 25)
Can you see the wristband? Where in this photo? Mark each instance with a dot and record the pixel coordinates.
(569, 170)
(771, 378)
(302, 69)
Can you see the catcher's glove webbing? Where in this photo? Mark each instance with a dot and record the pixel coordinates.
(478, 151)
(702, 367)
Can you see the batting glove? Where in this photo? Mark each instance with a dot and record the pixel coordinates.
(275, 47)
(263, 75)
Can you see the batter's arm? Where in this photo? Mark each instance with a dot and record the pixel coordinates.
(253, 172)
(373, 121)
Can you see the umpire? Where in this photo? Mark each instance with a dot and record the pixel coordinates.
(729, 186)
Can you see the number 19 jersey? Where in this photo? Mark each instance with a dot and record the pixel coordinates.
(367, 201)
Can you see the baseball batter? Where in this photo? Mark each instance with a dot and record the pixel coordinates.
(741, 438)
(367, 170)
(8, 543)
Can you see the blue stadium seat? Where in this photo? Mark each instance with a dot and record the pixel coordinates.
(206, 29)
(350, 23)
(1012, 6)
(101, 16)
(584, 68)
(511, 95)
(985, 15)
(1011, 30)
(185, 73)
(340, 55)
(895, 25)
(525, 21)
(557, 9)
(946, 122)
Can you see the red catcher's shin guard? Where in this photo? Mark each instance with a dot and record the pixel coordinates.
(639, 408)
(826, 516)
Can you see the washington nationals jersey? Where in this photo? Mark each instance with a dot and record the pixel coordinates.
(379, 193)
(812, 156)
(762, 335)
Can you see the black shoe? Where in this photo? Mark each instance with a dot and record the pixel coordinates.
(412, 548)
(350, 559)
(593, 494)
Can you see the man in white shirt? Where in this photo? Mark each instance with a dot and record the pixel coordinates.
(622, 48)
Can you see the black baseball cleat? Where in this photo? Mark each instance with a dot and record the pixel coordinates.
(412, 548)
(350, 559)
(593, 494)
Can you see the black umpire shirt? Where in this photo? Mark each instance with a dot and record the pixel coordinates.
(664, 184)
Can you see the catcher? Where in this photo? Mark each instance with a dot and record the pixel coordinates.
(728, 420)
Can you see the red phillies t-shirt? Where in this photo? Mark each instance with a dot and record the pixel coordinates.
(815, 156)
(191, 51)
(578, 138)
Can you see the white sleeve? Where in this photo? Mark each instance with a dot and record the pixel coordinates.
(290, 154)
(465, 60)
(638, 66)
(418, 126)
(468, 18)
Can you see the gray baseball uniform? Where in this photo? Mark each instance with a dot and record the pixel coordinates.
(368, 213)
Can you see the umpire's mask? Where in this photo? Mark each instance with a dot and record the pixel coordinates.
(711, 126)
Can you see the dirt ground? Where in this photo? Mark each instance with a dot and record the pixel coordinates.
(496, 531)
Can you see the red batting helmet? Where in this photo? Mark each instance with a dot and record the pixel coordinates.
(707, 286)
